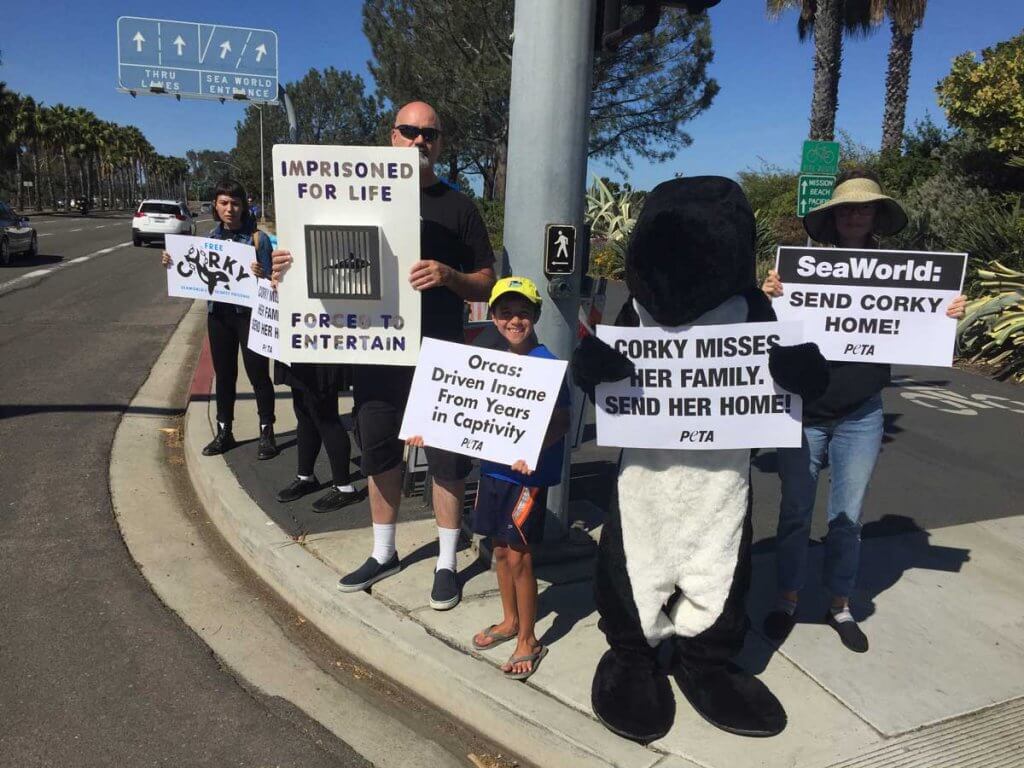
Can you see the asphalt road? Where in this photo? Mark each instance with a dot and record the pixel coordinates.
(94, 670)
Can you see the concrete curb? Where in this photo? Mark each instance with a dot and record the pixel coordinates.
(523, 719)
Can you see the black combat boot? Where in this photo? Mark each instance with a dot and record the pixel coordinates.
(222, 442)
(267, 448)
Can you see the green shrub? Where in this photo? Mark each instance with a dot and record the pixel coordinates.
(992, 331)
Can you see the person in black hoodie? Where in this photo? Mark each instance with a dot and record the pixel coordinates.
(843, 427)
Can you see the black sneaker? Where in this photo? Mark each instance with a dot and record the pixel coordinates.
(445, 594)
(222, 442)
(267, 449)
(368, 573)
(851, 634)
(778, 624)
(335, 499)
(298, 489)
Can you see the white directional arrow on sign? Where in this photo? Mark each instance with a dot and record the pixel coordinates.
(179, 44)
(261, 51)
(139, 40)
(804, 186)
(225, 48)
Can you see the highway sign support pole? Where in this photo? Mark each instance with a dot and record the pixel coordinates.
(549, 119)
(263, 174)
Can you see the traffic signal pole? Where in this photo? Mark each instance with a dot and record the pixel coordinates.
(549, 121)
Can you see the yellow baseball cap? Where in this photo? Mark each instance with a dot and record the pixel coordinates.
(524, 286)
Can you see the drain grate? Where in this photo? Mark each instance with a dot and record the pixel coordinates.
(993, 738)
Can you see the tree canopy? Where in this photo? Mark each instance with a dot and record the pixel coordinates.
(987, 96)
(457, 55)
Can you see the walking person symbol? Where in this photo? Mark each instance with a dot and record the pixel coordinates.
(562, 241)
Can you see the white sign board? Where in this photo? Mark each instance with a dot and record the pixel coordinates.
(205, 268)
(264, 322)
(351, 218)
(700, 387)
(872, 306)
(482, 403)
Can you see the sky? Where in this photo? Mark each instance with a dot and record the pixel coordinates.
(67, 52)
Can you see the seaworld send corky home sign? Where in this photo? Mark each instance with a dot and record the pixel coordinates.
(351, 218)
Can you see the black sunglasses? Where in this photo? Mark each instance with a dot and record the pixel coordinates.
(412, 131)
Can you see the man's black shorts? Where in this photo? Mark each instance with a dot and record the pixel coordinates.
(381, 392)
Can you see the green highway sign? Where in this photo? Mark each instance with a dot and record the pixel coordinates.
(820, 157)
(813, 190)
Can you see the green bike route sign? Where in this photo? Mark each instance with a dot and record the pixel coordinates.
(812, 191)
(820, 158)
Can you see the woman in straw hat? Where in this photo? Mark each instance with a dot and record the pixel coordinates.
(843, 426)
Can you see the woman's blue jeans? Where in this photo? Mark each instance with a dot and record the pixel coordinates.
(851, 445)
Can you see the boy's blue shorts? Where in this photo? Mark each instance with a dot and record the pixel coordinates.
(508, 512)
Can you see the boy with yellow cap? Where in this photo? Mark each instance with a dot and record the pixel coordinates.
(512, 500)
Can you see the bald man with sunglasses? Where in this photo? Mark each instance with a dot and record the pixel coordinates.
(457, 266)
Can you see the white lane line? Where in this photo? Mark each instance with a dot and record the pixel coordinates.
(41, 272)
(75, 230)
(43, 234)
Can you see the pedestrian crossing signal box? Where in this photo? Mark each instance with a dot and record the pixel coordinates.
(560, 250)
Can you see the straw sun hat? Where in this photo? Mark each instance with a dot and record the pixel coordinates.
(889, 217)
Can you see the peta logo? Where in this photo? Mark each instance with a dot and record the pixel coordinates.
(213, 268)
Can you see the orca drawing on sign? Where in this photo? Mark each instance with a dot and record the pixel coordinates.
(211, 272)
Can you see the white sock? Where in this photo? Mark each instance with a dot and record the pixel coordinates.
(786, 606)
(305, 477)
(447, 543)
(346, 488)
(842, 614)
(383, 542)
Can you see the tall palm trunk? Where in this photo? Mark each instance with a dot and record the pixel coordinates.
(828, 57)
(48, 162)
(897, 84)
(38, 180)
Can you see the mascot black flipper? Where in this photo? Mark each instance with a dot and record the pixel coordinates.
(674, 561)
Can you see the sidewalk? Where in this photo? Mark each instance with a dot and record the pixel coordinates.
(942, 684)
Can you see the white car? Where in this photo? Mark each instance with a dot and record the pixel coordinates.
(156, 218)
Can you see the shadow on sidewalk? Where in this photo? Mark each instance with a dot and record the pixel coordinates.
(890, 547)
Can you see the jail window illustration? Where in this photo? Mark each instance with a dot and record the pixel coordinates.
(343, 262)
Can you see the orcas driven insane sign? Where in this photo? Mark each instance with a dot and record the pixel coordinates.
(203, 268)
(700, 387)
(872, 306)
(351, 218)
(483, 403)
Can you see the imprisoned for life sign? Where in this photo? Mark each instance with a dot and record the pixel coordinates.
(206, 268)
(701, 387)
(481, 402)
(264, 322)
(872, 306)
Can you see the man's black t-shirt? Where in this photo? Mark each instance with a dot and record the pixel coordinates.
(453, 233)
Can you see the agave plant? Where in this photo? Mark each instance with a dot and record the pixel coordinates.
(992, 331)
(611, 218)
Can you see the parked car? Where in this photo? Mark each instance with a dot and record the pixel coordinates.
(16, 236)
(156, 218)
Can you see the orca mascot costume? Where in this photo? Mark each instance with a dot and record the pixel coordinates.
(673, 565)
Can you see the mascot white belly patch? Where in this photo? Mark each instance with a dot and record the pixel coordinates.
(682, 518)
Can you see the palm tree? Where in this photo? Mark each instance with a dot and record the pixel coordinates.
(827, 21)
(905, 16)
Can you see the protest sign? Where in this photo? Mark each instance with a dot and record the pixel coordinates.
(264, 322)
(872, 306)
(205, 268)
(481, 402)
(701, 387)
(350, 216)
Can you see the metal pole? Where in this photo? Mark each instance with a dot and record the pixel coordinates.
(289, 110)
(263, 174)
(549, 118)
